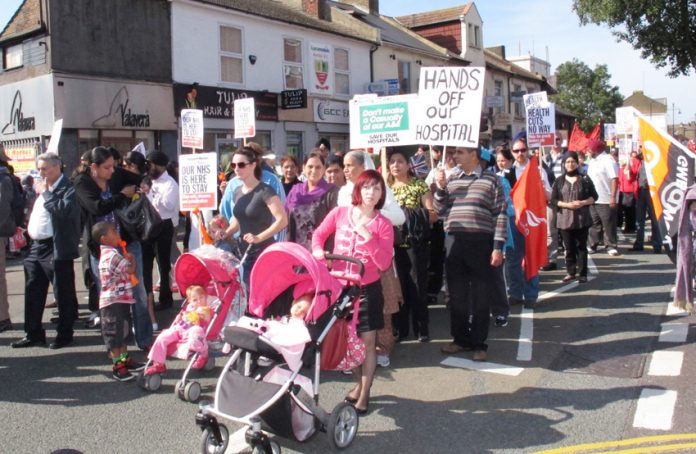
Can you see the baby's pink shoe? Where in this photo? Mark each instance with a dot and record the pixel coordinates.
(156, 368)
(200, 361)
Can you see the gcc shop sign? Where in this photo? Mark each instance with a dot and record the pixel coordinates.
(326, 111)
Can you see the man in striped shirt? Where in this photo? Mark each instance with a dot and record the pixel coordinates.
(473, 204)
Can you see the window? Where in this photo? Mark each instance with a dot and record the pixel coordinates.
(13, 56)
(231, 56)
(292, 64)
(477, 36)
(404, 77)
(342, 65)
(498, 91)
(87, 139)
(519, 106)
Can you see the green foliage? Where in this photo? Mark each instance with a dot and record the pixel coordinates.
(586, 93)
(663, 30)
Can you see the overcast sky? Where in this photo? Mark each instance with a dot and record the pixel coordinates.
(532, 26)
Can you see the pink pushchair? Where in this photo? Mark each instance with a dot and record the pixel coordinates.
(218, 272)
(272, 394)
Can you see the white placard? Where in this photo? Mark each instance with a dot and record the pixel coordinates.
(244, 118)
(383, 122)
(192, 128)
(541, 124)
(535, 99)
(450, 99)
(625, 120)
(198, 181)
(55, 136)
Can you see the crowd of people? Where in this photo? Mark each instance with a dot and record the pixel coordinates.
(421, 223)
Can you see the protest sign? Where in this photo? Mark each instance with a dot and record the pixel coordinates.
(244, 118)
(192, 128)
(380, 122)
(625, 120)
(55, 136)
(450, 105)
(198, 181)
(541, 119)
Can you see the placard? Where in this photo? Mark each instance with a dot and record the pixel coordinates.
(244, 118)
(198, 181)
(450, 100)
(192, 128)
(55, 137)
(541, 119)
(383, 122)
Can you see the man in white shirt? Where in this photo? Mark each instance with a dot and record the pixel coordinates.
(604, 173)
(54, 227)
(164, 196)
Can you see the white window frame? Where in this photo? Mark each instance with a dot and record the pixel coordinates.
(19, 52)
(293, 64)
(341, 71)
(228, 54)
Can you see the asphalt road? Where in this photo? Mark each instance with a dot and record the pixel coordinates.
(592, 347)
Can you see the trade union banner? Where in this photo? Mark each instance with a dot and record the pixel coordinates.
(451, 99)
(669, 166)
(383, 121)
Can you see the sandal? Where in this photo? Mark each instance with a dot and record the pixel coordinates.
(568, 278)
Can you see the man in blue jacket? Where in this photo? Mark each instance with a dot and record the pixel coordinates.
(54, 226)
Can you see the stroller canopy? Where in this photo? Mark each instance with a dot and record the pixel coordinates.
(284, 264)
(205, 266)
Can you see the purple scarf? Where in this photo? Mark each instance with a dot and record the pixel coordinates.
(683, 294)
(299, 195)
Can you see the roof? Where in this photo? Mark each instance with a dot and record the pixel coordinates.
(644, 103)
(394, 33)
(496, 61)
(25, 20)
(279, 11)
(434, 17)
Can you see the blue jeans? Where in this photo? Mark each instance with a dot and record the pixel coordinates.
(517, 285)
(141, 317)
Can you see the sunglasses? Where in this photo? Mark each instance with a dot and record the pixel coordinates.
(240, 165)
(520, 150)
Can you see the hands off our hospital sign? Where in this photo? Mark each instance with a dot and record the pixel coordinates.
(198, 181)
(244, 118)
(384, 121)
(541, 119)
(450, 99)
(192, 128)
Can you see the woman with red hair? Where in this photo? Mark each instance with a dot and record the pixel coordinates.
(363, 233)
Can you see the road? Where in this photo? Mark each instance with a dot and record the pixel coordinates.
(595, 363)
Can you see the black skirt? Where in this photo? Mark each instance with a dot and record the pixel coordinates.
(371, 309)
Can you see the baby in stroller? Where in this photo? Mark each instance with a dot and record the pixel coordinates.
(189, 326)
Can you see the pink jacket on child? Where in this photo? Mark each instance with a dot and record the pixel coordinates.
(376, 254)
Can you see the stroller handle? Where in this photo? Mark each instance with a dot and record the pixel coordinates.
(345, 258)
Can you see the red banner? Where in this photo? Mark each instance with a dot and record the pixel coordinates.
(578, 138)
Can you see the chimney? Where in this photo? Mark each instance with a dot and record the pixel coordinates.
(317, 8)
(371, 6)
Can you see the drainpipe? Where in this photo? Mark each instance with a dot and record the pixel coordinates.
(373, 49)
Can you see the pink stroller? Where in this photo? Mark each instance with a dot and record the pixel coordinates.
(218, 272)
(273, 395)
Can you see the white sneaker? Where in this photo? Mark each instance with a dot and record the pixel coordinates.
(383, 360)
(95, 318)
(613, 252)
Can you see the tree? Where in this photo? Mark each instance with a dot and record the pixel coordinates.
(663, 30)
(586, 93)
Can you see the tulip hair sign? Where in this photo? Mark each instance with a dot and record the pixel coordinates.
(450, 99)
(382, 122)
(198, 181)
(541, 119)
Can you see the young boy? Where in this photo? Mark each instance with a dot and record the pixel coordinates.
(115, 298)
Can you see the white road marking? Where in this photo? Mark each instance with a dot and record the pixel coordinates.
(591, 267)
(524, 345)
(666, 364)
(674, 310)
(482, 366)
(655, 409)
(674, 332)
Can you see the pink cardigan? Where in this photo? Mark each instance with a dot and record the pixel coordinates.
(376, 254)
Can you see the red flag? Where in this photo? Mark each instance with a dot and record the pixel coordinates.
(529, 200)
(578, 138)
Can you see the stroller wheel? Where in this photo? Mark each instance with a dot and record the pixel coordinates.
(192, 391)
(271, 448)
(152, 382)
(342, 426)
(209, 444)
(209, 364)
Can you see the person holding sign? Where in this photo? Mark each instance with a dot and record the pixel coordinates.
(258, 213)
(473, 204)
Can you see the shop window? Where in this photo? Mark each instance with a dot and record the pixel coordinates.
(292, 64)
(294, 145)
(231, 55)
(342, 75)
(13, 56)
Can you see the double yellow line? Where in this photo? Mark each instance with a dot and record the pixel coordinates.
(688, 441)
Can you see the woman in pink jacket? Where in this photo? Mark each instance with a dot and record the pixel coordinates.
(363, 233)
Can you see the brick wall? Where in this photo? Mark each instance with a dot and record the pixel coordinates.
(447, 35)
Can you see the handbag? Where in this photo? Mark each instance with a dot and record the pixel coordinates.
(355, 350)
(140, 219)
(18, 241)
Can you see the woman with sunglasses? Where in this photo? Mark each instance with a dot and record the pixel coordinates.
(258, 213)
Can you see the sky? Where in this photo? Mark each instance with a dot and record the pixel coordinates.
(531, 26)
